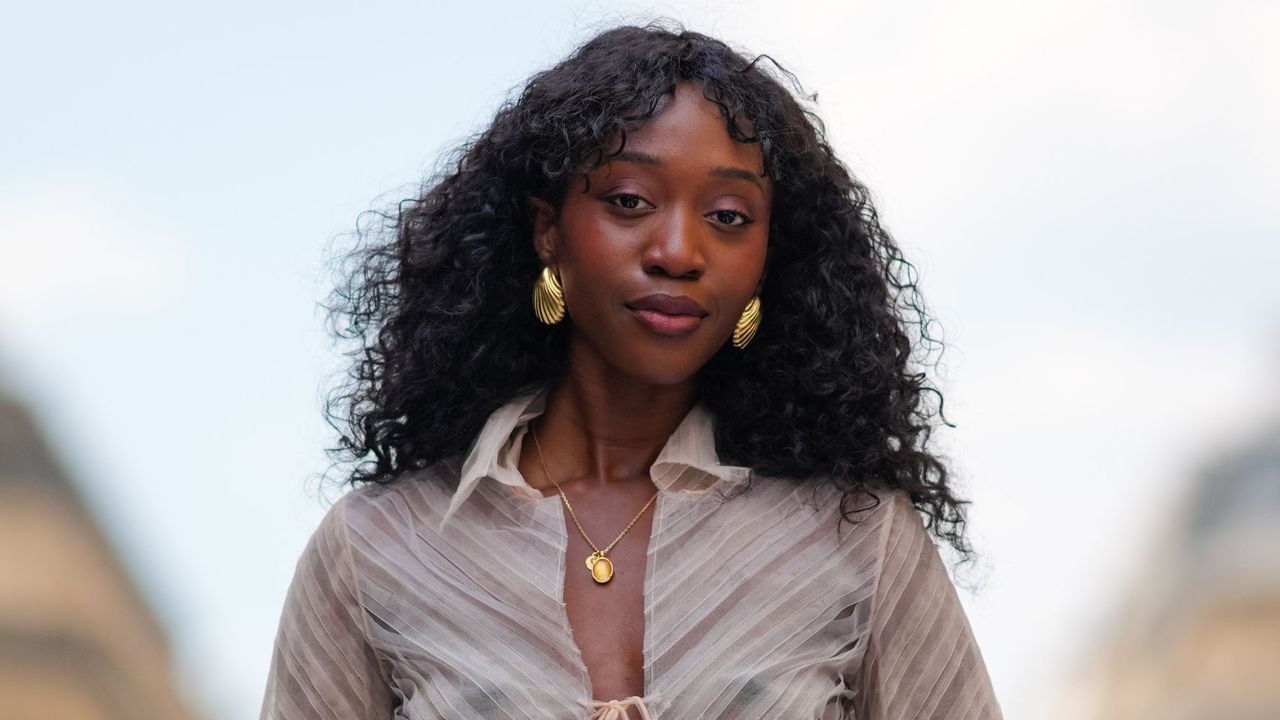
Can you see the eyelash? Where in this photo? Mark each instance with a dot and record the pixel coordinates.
(746, 220)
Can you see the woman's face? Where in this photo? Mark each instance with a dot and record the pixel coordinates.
(683, 212)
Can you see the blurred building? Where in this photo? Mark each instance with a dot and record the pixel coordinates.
(1199, 636)
(77, 640)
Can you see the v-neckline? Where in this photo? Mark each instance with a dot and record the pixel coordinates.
(587, 691)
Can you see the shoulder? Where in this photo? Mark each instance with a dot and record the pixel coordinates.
(909, 562)
(898, 517)
(371, 513)
(368, 530)
(869, 518)
(896, 522)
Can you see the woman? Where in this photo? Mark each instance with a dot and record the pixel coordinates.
(635, 427)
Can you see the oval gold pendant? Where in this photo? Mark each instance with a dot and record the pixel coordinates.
(602, 570)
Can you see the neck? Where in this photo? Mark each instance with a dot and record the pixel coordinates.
(601, 428)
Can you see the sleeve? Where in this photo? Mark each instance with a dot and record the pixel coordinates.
(922, 660)
(322, 665)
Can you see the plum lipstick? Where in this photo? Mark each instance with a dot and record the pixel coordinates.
(668, 314)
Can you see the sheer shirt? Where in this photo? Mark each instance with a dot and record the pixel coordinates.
(440, 596)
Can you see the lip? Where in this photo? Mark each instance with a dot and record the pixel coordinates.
(669, 305)
(668, 314)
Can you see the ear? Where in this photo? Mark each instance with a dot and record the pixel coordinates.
(543, 216)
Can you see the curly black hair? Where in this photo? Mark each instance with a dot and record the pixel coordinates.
(435, 297)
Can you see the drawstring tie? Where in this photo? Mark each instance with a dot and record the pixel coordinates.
(615, 709)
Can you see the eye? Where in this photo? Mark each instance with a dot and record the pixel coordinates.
(626, 201)
(727, 217)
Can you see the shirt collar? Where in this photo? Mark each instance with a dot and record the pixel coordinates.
(687, 462)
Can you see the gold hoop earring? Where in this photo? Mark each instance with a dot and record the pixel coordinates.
(748, 323)
(548, 297)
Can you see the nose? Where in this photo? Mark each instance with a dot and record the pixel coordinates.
(674, 245)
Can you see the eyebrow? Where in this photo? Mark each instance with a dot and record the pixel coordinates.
(644, 158)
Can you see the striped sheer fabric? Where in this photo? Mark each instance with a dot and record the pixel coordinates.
(440, 596)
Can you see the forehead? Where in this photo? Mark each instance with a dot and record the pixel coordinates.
(689, 131)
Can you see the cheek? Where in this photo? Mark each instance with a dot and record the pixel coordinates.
(749, 264)
(580, 228)
(592, 259)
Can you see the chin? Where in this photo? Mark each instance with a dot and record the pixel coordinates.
(647, 362)
(658, 368)
(659, 376)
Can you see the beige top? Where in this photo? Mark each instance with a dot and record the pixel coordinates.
(413, 600)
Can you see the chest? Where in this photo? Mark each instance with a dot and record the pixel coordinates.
(716, 609)
(607, 619)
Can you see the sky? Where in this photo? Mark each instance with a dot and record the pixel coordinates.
(1086, 187)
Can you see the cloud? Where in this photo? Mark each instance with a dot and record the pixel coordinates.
(1078, 443)
(84, 252)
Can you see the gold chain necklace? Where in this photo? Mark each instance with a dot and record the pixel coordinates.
(601, 567)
